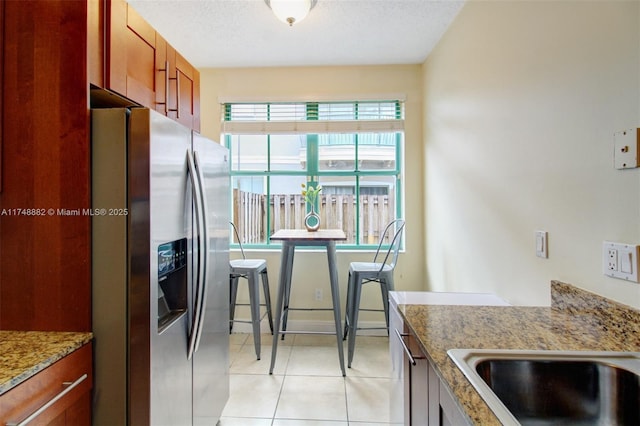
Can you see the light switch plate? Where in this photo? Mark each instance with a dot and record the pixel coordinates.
(620, 260)
(541, 244)
(626, 148)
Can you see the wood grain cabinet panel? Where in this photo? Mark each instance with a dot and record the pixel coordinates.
(164, 71)
(146, 69)
(95, 41)
(45, 267)
(131, 55)
(1, 81)
(59, 394)
(178, 86)
(185, 93)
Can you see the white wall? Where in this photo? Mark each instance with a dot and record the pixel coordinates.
(521, 102)
(333, 83)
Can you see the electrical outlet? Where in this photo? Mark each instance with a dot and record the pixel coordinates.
(318, 294)
(620, 260)
(612, 259)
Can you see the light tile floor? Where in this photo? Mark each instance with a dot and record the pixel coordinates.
(307, 387)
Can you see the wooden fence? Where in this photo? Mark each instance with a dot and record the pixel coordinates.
(288, 211)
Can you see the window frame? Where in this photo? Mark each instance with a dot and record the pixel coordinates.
(313, 174)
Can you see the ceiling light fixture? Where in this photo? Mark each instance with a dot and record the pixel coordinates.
(291, 11)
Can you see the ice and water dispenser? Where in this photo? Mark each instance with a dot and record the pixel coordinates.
(172, 282)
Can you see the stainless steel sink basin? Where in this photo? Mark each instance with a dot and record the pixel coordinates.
(555, 387)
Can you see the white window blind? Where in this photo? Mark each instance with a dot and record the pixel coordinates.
(314, 117)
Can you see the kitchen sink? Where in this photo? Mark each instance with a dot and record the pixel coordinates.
(555, 387)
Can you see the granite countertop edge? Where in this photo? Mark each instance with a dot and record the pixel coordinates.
(576, 320)
(23, 354)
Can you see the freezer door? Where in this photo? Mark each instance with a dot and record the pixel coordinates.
(170, 380)
(211, 360)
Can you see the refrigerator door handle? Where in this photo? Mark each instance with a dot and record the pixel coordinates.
(205, 248)
(197, 196)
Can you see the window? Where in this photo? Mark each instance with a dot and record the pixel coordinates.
(353, 149)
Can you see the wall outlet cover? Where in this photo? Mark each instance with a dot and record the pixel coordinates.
(620, 260)
(542, 248)
(626, 145)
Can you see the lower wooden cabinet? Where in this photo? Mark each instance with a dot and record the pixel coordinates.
(449, 413)
(58, 395)
(427, 400)
(418, 400)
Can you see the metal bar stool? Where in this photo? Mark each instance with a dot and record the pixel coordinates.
(361, 273)
(251, 269)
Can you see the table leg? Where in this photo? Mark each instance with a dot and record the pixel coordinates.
(335, 295)
(291, 250)
(282, 285)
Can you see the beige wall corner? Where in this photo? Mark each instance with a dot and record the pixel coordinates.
(521, 103)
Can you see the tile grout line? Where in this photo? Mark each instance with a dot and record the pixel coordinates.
(284, 378)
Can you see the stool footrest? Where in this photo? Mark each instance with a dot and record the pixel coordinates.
(264, 314)
(308, 309)
(248, 304)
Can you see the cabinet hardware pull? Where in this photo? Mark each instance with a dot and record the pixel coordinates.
(177, 79)
(42, 409)
(407, 351)
(166, 87)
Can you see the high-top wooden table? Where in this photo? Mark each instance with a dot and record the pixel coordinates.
(300, 237)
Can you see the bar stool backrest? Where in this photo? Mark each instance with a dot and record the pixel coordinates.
(391, 255)
(235, 231)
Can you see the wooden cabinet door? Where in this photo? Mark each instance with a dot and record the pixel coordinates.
(131, 58)
(177, 86)
(450, 414)
(433, 397)
(418, 386)
(184, 90)
(95, 41)
(164, 71)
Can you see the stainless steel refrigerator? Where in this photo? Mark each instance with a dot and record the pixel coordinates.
(160, 254)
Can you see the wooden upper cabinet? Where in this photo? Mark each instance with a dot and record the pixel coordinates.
(95, 42)
(164, 71)
(185, 91)
(178, 87)
(144, 68)
(131, 58)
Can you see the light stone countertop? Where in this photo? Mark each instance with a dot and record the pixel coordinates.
(25, 353)
(577, 320)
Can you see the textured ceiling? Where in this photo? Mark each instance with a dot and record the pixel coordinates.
(245, 33)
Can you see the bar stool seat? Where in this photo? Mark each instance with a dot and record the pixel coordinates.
(245, 266)
(252, 270)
